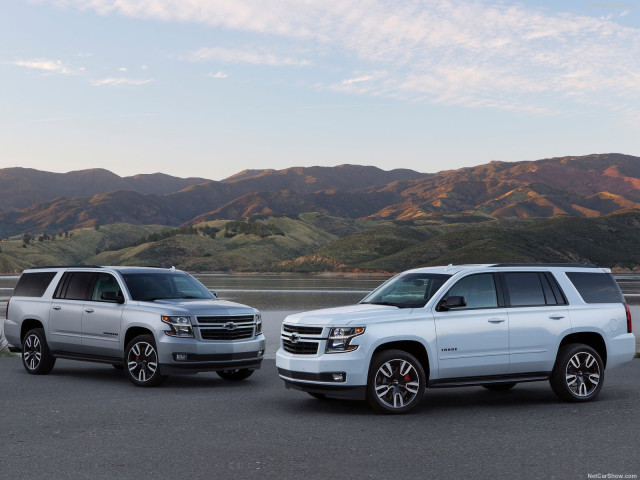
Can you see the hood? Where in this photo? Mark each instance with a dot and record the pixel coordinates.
(344, 316)
(200, 307)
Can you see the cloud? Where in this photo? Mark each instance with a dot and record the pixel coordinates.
(119, 81)
(257, 57)
(476, 53)
(351, 81)
(217, 75)
(48, 66)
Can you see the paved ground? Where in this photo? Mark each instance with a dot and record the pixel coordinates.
(87, 421)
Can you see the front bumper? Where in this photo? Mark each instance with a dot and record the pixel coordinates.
(187, 355)
(315, 373)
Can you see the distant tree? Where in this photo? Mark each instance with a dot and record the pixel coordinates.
(97, 227)
(26, 239)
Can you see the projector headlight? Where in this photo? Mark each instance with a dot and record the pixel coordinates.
(340, 339)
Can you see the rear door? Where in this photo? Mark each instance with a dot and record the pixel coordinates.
(67, 307)
(538, 319)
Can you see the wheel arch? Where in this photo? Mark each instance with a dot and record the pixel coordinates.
(593, 339)
(133, 332)
(413, 347)
(29, 324)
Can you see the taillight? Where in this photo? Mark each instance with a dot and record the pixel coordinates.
(629, 326)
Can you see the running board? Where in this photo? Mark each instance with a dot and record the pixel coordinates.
(87, 358)
(472, 381)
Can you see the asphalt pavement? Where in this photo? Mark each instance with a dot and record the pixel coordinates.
(87, 421)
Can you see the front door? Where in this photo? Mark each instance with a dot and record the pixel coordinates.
(473, 340)
(101, 319)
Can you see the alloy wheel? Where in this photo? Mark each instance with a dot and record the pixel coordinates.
(582, 374)
(142, 361)
(32, 352)
(397, 383)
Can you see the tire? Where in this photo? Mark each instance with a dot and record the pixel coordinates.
(578, 373)
(141, 360)
(500, 387)
(36, 356)
(235, 375)
(396, 382)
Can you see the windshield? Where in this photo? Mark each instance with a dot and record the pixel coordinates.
(156, 286)
(410, 290)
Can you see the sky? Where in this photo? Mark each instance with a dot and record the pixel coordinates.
(208, 88)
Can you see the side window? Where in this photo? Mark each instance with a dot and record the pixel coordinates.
(105, 283)
(479, 291)
(33, 284)
(524, 289)
(74, 285)
(596, 287)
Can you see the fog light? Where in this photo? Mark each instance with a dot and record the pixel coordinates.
(338, 377)
(261, 352)
(180, 357)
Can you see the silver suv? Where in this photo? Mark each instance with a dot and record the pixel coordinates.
(151, 322)
(489, 325)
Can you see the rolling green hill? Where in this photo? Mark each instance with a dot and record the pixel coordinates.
(314, 242)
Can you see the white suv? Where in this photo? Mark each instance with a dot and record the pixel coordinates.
(489, 325)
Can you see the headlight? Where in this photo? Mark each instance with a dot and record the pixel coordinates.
(258, 317)
(340, 339)
(180, 326)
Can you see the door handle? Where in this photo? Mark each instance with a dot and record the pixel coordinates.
(496, 320)
(556, 317)
(89, 310)
(57, 307)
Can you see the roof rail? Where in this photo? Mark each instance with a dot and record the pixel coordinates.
(64, 266)
(562, 265)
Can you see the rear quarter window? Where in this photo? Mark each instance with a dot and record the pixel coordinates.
(33, 284)
(596, 287)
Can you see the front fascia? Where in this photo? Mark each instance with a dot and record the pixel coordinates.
(383, 325)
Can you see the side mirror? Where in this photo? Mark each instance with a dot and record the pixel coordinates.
(214, 293)
(452, 302)
(112, 297)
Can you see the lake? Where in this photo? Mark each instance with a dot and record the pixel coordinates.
(277, 296)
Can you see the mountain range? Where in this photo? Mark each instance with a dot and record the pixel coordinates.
(32, 201)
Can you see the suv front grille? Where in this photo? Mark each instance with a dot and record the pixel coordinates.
(226, 334)
(226, 319)
(300, 348)
(226, 327)
(301, 339)
(302, 330)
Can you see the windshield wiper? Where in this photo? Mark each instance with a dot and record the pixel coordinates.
(391, 304)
